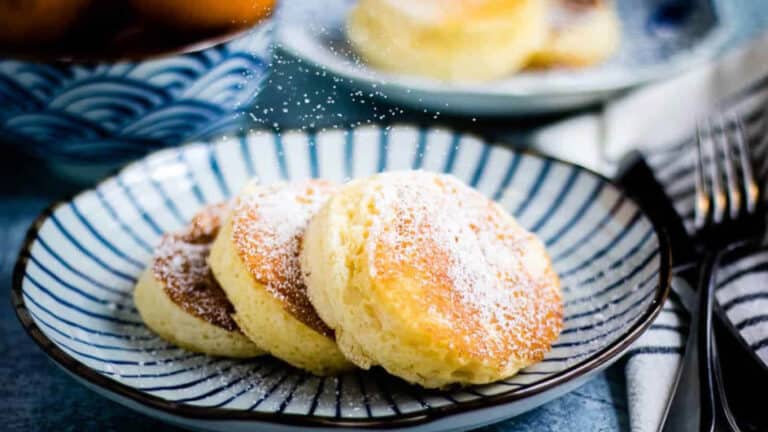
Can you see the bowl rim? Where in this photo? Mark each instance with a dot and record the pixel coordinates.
(191, 412)
(192, 47)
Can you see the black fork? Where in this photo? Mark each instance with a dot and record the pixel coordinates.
(728, 215)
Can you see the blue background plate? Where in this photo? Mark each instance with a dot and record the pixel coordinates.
(659, 38)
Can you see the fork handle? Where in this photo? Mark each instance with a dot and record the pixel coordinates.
(707, 358)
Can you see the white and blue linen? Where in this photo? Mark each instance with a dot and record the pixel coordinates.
(738, 83)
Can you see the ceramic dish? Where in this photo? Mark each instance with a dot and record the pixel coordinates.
(73, 281)
(660, 38)
(94, 116)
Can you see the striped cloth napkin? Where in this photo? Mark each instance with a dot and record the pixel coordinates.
(660, 121)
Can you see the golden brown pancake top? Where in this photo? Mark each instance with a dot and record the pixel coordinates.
(453, 264)
(181, 266)
(268, 228)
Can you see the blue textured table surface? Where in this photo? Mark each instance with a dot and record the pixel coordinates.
(36, 395)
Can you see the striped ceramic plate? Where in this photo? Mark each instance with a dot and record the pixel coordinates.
(74, 278)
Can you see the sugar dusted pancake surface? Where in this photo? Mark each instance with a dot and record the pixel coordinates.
(256, 260)
(424, 276)
(179, 298)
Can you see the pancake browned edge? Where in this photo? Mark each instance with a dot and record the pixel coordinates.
(255, 258)
(179, 299)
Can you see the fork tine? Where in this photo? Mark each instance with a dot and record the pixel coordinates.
(702, 204)
(729, 165)
(709, 157)
(715, 177)
(751, 189)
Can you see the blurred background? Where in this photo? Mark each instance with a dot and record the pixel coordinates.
(78, 100)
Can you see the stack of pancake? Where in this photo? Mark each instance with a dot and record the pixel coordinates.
(476, 40)
(411, 271)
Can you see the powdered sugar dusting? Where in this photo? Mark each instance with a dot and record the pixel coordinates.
(268, 228)
(469, 259)
(181, 265)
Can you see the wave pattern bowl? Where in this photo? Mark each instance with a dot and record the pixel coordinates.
(108, 113)
(73, 281)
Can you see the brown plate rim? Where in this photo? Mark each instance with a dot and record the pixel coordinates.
(192, 412)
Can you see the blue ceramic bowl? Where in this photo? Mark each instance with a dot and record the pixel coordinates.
(106, 113)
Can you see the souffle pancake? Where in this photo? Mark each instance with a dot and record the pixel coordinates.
(256, 260)
(424, 276)
(180, 300)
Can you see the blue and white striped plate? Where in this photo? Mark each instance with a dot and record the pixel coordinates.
(75, 274)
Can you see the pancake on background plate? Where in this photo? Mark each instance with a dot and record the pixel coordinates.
(256, 259)
(179, 299)
(428, 278)
(455, 40)
(582, 33)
